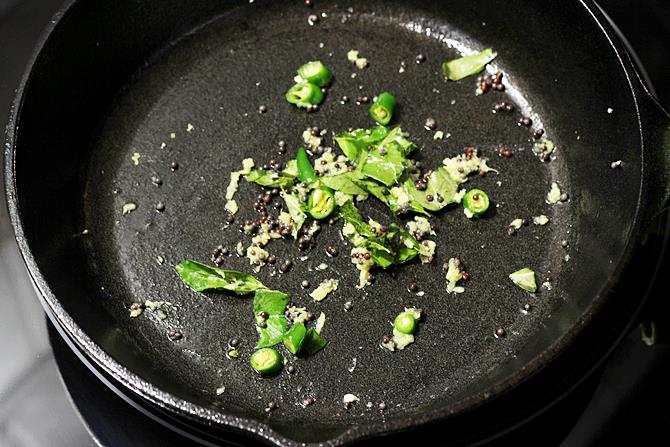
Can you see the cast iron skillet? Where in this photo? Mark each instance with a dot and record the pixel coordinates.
(115, 78)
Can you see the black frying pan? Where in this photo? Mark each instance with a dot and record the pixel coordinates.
(115, 78)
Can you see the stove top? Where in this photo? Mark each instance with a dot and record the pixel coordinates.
(48, 397)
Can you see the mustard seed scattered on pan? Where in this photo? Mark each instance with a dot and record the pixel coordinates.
(175, 335)
(525, 121)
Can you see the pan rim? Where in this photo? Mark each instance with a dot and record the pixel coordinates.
(192, 411)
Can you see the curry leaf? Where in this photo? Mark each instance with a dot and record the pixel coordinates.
(271, 301)
(346, 183)
(385, 165)
(352, 143)
(273, 333)
(441, 188)
(202, 277)
(274, 304)
(271, 179)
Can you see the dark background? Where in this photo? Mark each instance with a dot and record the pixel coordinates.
(624, 404)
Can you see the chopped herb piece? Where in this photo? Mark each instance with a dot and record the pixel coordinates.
(271, 179)
(271, 323)
(398, 139)
(386, 164)
(305, 168)
(347, 183)
(524, 278)
(316, 73)
(271, 301)
(441, 190)
(266, 361)
(294, 338)
(354, 143)
(201, 277)
(383, 107)
(324, 289)
(304, 94)
(321, 202)
(233, 353)
(465, 66)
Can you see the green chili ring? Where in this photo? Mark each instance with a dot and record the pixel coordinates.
(316, 73)
(476, 201)
(382, 109)
(266, 361)
(405, 323)
(321, 202)
(305, 94)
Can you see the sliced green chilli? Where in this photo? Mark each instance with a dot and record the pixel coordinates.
(405, 323)
(382, 109)
(305, 169)
(476, 201)
(316, 73)
(266, 361)
(321, 202)
(304, 94)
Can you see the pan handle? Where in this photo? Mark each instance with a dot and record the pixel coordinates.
(655, 131)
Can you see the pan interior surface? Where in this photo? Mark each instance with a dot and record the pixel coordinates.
(196, 103)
